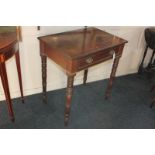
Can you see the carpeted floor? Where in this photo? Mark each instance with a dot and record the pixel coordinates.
(128, 107)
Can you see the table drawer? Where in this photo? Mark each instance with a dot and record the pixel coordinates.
(94, 59)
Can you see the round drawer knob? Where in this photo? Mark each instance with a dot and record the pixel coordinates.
(112, 52)
(89, 60)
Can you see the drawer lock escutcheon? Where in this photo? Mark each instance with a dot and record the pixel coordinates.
(89, 60)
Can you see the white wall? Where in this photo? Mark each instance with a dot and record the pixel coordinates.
(31, 62)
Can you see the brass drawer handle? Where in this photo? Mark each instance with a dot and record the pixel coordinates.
(89, 60)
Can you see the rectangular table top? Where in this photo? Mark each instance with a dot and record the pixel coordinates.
(78, 43)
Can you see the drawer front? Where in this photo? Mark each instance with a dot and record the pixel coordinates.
(94, 59)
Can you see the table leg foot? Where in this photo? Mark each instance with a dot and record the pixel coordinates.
(13, 120)
(107, 96)
(44, 99)
(22, 99)
(66, 120)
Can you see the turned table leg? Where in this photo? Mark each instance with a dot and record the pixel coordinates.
(112, 77)
(19, 74)
(85, 76)
(5, 84)
(44, 77)
(69, 93)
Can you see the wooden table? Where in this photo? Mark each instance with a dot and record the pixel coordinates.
(78, 50)
(8, 48)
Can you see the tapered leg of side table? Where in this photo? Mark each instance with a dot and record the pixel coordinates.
(5, 84)
(112, 77)
(44, 77)
(69, 93)
(19, 74)
(85, 76)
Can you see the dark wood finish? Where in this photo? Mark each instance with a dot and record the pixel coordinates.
(85, 76)
(8, 48)
(44, 77)
(78, 50)
(69, 92)
(113, 72)
(70, 44)
(19, 74)
(150, 63)
(112, 76)
(5, 84)
(93, 59)
(141, 65)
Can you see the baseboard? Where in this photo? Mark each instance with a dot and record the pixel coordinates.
(57, 85)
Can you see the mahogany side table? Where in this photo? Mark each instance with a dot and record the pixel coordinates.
(8, 48)
(78, 50)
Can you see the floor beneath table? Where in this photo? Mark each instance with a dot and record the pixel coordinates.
(128, 107)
